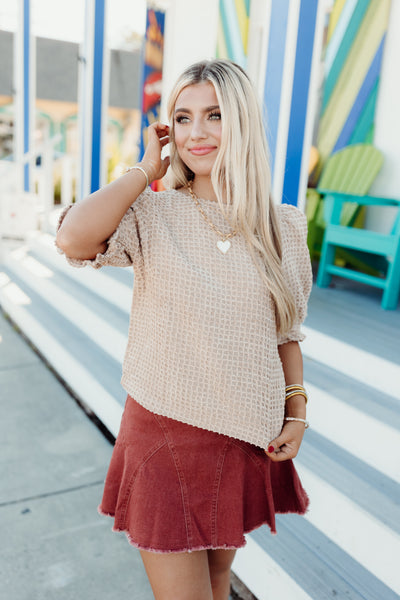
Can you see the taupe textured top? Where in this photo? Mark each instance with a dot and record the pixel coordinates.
(202, 345)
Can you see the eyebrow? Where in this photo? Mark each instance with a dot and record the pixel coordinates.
(207, 109)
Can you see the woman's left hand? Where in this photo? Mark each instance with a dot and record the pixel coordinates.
(287, 444)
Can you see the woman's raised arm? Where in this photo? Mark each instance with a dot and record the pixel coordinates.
(88, 224)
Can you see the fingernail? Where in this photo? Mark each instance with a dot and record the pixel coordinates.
(270, 449)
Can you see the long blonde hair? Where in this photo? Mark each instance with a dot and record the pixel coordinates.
(241, 174)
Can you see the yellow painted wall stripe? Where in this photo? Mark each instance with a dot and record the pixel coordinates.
(243, 21)
(334, 17)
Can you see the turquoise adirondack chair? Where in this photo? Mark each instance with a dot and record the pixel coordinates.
(380, 251)
(351, 170)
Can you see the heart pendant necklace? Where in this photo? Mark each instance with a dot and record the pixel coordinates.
(223, 244)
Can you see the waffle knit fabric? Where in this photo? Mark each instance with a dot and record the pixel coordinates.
(202, 345)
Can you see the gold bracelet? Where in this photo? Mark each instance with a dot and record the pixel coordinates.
(294, 390)
(296, 393)
(295, 386)
(139, 169)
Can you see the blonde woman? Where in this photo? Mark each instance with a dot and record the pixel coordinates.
(216, 407)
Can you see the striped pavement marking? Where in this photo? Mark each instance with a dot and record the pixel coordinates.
(337, 421)
(98, 281)
(265, 577)
(96, 328)
(375, 546)
(81, 381)
(368, 368)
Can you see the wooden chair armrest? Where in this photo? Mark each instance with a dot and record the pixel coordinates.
(363, 200)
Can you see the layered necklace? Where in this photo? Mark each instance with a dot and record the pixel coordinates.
(223, 244)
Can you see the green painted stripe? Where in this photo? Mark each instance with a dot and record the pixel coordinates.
(344, 49)
(370, 135)
(366, 119)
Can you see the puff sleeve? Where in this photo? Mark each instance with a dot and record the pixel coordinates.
(124, 246)
(296, 265)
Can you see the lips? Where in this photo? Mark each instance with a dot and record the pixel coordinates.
(201, 150)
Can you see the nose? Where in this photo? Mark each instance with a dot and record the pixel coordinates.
(198, 129)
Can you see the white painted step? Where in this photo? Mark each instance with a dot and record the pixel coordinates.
(96, 280)
(368, 439)
(38, 277)
(81, 381)
(374, 371)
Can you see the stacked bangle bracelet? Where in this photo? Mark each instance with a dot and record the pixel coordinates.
(295, 390)
(139, 168)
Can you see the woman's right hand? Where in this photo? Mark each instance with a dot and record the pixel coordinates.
(152, 163)
(89, 224)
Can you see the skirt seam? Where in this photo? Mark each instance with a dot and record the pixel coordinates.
(268, 492)
(181, 478)
(256, 461)
(215, 494)
(128, 494)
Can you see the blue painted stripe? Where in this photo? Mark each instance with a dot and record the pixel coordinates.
(318, 565)
(301, 84)
(274, 72)
(366, 120)
(361, 99)
(26, 90)
(97, 93)
(343, 52)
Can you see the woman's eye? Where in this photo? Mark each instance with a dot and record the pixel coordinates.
(182, 119)
(215, 115)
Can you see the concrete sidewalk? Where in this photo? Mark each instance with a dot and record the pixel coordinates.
(53, 461)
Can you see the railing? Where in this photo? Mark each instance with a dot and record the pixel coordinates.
(22, 212)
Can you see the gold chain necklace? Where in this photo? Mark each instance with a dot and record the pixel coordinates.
(223, 244)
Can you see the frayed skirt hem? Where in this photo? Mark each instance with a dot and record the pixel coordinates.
(196, 548)
(160, 551)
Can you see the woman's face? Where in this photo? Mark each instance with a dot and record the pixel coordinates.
(197, 123)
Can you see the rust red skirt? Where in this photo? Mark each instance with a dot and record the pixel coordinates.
(172, 487)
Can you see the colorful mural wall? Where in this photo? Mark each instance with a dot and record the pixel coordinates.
(353, 58)
(233, 29)
(152, 71)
